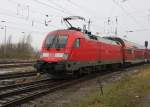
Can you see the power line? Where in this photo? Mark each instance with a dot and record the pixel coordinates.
(61, 7)
(31, 8)
(41, 13)
(48, 5)
(52, 7)
(46, 14)
(78, 6)
(18, 28)
(31, 20)
(44, 5)
(133, 18)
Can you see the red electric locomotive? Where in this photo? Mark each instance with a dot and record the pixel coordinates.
(74, 51)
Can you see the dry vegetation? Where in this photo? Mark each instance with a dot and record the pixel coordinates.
(128, 92)
(20, 50)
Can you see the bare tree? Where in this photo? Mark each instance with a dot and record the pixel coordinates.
(21, 50)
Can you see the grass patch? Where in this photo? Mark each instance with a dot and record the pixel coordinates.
(126, 92)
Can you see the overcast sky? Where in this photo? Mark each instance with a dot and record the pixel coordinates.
(24, 17)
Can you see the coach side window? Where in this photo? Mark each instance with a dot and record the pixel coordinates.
(129, 51)
(76, 43)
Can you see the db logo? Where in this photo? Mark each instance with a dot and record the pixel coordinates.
(52, 55)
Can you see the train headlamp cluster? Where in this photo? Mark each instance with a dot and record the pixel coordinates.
(54, 55)
(44, 55)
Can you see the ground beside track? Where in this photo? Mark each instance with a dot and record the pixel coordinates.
(130, 91)
(16, 70)
(81, 95)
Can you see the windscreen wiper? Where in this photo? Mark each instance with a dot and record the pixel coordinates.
(57, 45)
(53, 41)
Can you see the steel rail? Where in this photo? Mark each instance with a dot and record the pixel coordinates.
(28, 88)
(7, 87)
(10, 65)
(17, 75)
(35, 91)
(21, 61)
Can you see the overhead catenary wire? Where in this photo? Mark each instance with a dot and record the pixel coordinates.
(34, 20)
(61, 7)
(57, 5)
(47, 5)
(30, 20)
(52, 7)
(32, 9)
(29, 30)
(22, 28)
(85, 10)
(133, 18)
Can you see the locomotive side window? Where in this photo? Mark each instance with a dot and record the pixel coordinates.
(76, 43)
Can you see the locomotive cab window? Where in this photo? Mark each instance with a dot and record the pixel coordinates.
(76, 43)
(61, 42)
(56, 41)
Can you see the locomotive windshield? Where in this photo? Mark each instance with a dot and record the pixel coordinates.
(56, 41)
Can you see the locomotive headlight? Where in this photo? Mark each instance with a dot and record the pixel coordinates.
(43, 55)
(54, 55)
(61, 55)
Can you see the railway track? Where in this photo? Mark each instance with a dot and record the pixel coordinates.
(12, 95)
(16, 94)
(17, 75)
(16, 64)
(16, 61)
